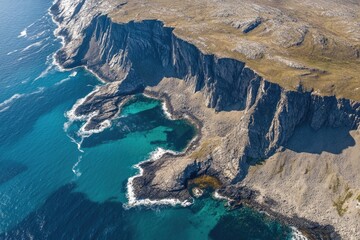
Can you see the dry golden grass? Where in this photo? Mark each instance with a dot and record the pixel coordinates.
(340, 201)
(199, 22)
(206, 147)
(205, 181)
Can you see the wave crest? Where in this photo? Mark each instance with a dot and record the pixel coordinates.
(297, 235)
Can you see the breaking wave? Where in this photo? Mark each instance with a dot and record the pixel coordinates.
(36, 44)
(23, 33)
(133, 201)
(297, 235)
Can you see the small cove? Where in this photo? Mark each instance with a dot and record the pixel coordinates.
(51, 190)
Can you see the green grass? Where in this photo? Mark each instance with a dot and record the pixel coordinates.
(339, 67)
(340, 201)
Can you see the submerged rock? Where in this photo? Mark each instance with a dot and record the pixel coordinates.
(197, 192)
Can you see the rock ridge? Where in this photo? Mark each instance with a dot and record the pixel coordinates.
(136, 56)
(139, 54)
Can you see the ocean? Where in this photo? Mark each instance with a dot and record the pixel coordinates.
(57, 184)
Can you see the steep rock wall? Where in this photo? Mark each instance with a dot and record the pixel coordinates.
(139, 54)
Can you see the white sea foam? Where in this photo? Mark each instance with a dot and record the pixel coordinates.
(57, 65)
(72, 116)
(73, 74)
(58, 26)
(50, 59)
(32, 45)
(38, 35)
(297, 235)
(133, 201)
(62, 81)
(25, 81)
(42, 48)
(87, 133)
(67, 125)
(44, 73)
(23, 33)
(75, 169)
(36, 44)
(166, 110)
(4, 109)
(50, 62)
(78, 143)
(9, 53)
(71, 113)
(218, 196)
(33, 53)
(56, 33)
(157, 154)
(6, 104)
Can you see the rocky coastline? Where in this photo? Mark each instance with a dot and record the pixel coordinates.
(235, 196)
(136, 57)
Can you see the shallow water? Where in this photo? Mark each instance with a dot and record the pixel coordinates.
(49, 189)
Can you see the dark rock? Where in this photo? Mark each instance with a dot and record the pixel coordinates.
(146, 51)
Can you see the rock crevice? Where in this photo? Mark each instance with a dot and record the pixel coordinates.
(140, 54)
(134, 56)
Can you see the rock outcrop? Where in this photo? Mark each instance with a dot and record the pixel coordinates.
(140, 54)
(133, 56)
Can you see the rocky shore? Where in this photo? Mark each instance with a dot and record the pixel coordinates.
(251, 132)
(236, 195)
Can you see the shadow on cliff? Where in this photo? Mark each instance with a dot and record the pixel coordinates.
(326, 139)
(307, 140)
(147, 51)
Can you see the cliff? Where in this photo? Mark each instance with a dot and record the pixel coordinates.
(140, 54)
(134, 56)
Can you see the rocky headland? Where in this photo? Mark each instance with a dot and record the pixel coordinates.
(290, 151)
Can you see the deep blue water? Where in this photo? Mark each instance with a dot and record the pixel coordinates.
(51, 190)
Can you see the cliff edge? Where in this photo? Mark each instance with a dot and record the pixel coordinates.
(254, 132)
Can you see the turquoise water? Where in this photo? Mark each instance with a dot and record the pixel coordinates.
(51, 190)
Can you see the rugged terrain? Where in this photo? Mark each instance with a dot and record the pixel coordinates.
(273, 86)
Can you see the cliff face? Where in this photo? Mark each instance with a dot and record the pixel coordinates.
(262, 116)
(140, 54)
